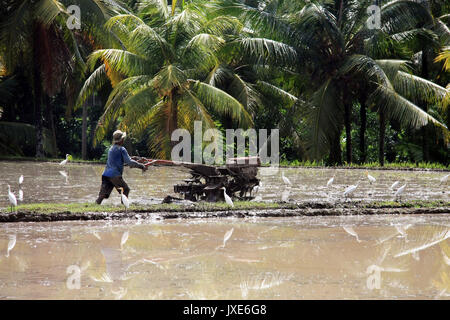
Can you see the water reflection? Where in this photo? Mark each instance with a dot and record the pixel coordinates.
(268, 258)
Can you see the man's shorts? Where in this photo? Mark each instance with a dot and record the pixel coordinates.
(108, 184)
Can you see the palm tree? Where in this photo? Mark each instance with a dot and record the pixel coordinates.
(422, 33)
(35, 37)
(331, 39)
(158, 73)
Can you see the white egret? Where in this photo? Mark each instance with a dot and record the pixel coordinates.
(400, 191)
(395, 184)
(444, 178)
(255, 190)
(20, 195)
(227, 198)
(330, 182)
(371, 179)
(285, 180)
(124, 199)
(65, 161)
(12, 198)
(350, 189)
(21, 179)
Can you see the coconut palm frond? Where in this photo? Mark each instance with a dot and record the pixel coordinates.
(121, 61)
(400, 15)
(221, 102)
(324, 119)
(418, 89)
(95, 81)
(399, 108)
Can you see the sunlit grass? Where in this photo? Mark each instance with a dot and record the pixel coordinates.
(283, 163)
(393, 165)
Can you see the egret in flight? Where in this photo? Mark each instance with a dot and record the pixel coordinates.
(65, 161)
(12, 198)
(395, 184)
(371, 179)
(227, 198)
(285, 180)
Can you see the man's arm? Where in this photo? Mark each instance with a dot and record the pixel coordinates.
(130, 162)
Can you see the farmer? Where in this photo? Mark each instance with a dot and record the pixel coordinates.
(112, 176)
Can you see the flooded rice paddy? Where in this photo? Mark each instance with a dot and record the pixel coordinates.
(50, 182)
(347, 257)
(367, 257)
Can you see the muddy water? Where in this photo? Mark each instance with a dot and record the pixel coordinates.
(50, 182)
(268, 258)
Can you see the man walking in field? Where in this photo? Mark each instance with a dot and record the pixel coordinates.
(112, 176)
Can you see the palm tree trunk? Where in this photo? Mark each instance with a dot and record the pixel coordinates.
(424, 131)
(37, 97)
(348, 132)
(173, 117)
(84, 133)
(381, 138)
(52, 126)
(335, 157)
(362, 132)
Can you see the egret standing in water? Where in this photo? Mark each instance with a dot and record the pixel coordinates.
(12, 199)
(227, 198)
(285, 180)
(65, 161)
(400, 191)
(330, 182)
(124, 199)
(350, 189)
(255, 190)
(444, 178)
(371, 179)
(20, 180)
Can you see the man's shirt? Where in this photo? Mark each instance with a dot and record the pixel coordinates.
(117, 157)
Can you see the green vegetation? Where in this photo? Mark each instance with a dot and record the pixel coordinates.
(341, 93)
(47, 208)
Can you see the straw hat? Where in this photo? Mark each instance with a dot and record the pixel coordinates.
(118, 136)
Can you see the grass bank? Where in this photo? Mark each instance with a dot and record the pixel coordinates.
(283, 164)
(88, 211)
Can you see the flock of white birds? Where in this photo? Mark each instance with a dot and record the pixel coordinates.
(12, 197)
(348, 191)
